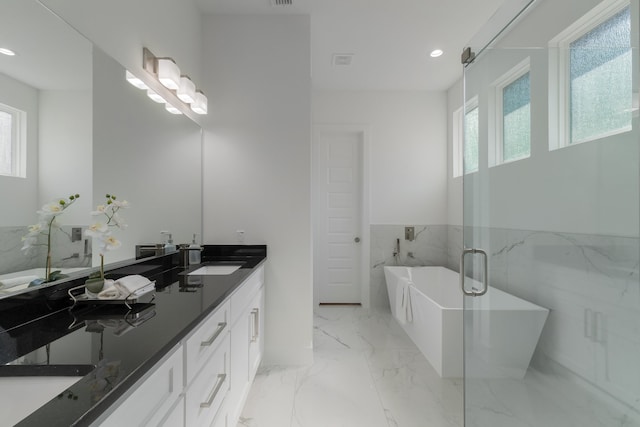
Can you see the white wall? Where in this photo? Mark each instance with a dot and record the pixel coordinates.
(24, 191)
(66, 151)
(122, 28)
(407, 134)
(257, 157)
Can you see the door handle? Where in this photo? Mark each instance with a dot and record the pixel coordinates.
(485, 277)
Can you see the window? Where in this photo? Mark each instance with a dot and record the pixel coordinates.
(471, 136)
(594, 76)
(516, 120)
(511, 109)
(465, 139)
(12, 142)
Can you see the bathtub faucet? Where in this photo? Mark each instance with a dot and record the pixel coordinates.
(396, 252)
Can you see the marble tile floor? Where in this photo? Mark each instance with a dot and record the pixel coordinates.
(366, 372)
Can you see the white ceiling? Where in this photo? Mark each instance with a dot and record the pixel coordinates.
(49, 54)
(391, 40)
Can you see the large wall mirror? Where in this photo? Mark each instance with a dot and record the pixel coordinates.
(71, 124)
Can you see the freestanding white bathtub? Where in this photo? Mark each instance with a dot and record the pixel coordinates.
(28, 275)
(502, 330)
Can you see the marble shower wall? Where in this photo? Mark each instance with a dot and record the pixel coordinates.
(428, 248)
(65, 253)
(590, 284)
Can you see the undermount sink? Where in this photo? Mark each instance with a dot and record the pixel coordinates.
(215, 270)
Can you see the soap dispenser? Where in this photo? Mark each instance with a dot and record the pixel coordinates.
(169, 246)
(194, 252)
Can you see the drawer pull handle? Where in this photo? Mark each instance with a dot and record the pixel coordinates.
(215, 335)
(214, 393)
(255, 313)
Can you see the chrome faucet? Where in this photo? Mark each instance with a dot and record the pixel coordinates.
(396, 252)
(184, 253)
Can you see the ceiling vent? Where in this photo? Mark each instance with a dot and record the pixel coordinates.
(342, 59)
(281, 3)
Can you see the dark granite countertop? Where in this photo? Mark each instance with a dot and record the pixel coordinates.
(109, 347)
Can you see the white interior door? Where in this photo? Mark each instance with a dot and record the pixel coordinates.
(339, 205)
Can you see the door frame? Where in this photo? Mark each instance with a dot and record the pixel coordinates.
(365, 200)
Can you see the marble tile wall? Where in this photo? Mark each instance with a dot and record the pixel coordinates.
(590, 284)
(428, 248)
(65, 253)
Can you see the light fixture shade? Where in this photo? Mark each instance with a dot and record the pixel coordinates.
(155, 97)
(8, 52)
(173, 110)
(135, 81)
(168, 73)
(187, 90)
(200, 104)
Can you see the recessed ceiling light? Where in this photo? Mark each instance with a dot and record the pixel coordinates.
(6, 51)
(436, 53)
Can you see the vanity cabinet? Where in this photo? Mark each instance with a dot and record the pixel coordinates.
(206, 378)
(156, 399)
(247, 344)
(205, 395)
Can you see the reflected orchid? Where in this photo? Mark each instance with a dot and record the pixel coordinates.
(45, 226)
(101, 231)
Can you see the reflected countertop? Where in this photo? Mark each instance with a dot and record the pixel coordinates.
(108, 348)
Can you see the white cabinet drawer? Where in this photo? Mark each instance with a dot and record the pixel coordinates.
(205, 339)
(207, 392)
(175, 418)
(149, 403)
(244, 294)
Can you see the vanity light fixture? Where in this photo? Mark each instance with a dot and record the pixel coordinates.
(168, 73)
(436, 53)
(173, 110)
(135, 81)
(7, 52)
(155, 97)
(200, 104)
(164, 84)
(187, 90)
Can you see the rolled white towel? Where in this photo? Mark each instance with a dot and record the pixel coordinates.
(109, 291)
(16, 281)
(133, 285)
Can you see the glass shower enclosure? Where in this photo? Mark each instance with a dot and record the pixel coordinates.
(551, 202)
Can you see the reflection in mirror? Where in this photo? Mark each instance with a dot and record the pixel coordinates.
(146, 156)
(88, 132)
(45, 140)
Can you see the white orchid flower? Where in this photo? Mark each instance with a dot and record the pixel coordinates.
(34, 230)
(29, 241)
(120, 204)
(111, 243)
(97, 229)
(100, 209)
(119, 221)
(51, 209)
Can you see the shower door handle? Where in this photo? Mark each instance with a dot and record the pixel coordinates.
(485, 278)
